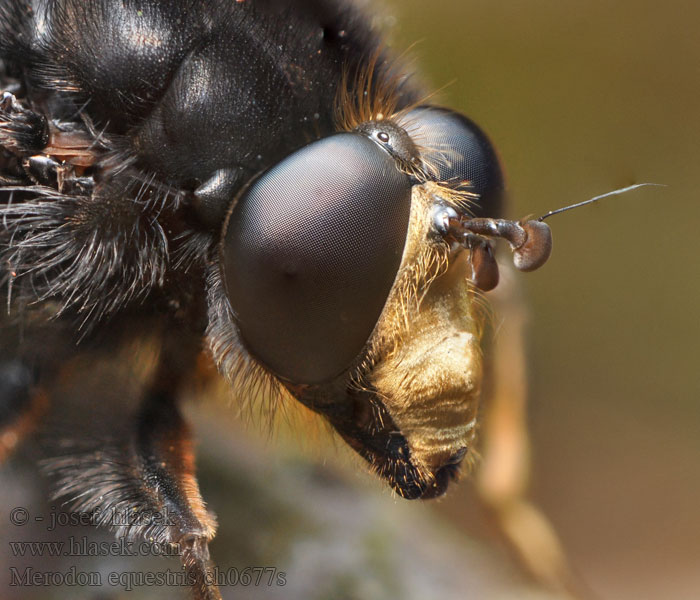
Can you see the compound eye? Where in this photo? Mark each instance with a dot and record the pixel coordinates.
(311, 252)
(458, 152)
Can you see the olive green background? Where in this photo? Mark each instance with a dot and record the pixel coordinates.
(581, 98)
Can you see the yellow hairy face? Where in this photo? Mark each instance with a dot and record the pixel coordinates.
(429, 371)
(408, 402)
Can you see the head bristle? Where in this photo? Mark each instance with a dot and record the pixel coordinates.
(370, 93)
(459, 197)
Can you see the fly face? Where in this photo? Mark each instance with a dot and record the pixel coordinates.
(350, 278)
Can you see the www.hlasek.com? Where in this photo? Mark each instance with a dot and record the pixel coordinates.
(83, 546)
(129, 580)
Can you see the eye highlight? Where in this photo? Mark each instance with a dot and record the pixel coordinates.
(311, 252)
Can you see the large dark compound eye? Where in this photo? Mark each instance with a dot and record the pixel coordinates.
(458, 152)
(311, 252)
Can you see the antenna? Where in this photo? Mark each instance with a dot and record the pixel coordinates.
(623, 190)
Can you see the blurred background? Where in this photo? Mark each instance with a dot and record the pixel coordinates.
(579, 99)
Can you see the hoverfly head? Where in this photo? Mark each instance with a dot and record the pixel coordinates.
(349, 284)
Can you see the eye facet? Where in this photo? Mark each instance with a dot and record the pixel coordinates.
(459, 151)
(311, 252)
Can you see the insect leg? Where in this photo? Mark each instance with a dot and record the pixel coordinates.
(503, 475)
(164, 449)
(139, 476)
